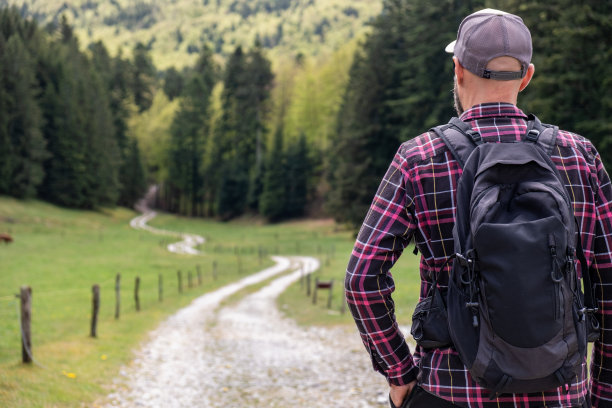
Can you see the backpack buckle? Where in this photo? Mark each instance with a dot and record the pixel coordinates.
(475, 136)
(532, 136)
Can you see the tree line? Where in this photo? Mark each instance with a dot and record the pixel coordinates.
(225, 169)
(63, 113)
(246, 140)
(399, 85)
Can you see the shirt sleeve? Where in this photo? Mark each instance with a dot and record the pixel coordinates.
(385, 232)
(601, 276)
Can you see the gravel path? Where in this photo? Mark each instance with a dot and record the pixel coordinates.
(188, 241)
(247, 354)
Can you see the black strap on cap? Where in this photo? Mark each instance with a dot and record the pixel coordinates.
(502, 75)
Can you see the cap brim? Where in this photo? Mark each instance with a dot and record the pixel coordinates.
(450, 48)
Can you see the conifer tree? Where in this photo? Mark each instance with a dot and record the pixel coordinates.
(232, 187)
(273, 201)
(189, 132)
(83, 169)
(6, 147)
(299, 171)
(173, 83)
(223, 150)
(143, 78)
(21, 119)
(239, 138)
(132, 175)
(399, 86)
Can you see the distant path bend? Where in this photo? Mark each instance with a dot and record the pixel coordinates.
(188, 242)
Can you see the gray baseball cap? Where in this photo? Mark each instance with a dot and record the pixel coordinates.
(489, 34)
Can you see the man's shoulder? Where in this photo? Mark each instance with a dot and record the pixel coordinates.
(422, 148)
(576, 142)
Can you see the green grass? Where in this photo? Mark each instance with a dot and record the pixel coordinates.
(61, 253)
(297, 305)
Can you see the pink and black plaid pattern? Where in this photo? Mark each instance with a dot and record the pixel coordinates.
(416, 200)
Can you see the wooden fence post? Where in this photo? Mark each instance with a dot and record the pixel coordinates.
(189, 280)
(26, 320)
(199, 275)
(117, 295)
(308, 284)
(96, 308)
(180, 281)
(329, 285)
(329, 296)
(214, 270)
(136, 297)
(160, 289)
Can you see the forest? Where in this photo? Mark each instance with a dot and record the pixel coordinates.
(252, 132)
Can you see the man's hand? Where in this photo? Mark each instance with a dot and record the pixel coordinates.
(398, 393)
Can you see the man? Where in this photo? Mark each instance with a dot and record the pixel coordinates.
(416, 200)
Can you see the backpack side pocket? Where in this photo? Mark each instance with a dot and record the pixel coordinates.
(430, 322)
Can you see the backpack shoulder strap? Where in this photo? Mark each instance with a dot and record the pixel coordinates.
(453, 134)
(543, 134)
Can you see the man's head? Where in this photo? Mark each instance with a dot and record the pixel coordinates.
(492, 56)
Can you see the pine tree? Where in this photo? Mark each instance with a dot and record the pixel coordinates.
(20, 127)
(232, 187)
(83, 169)
(225, 134)
(299, 171)
(6, 147)
(399, 86)
(273, 201)
(143, 78)
(173, 83)
(239, 138)
(132, 175)
(115, 77)
(189, 132)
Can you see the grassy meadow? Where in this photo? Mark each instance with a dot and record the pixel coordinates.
(61, 253)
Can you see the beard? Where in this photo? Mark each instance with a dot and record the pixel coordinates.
(457, 101)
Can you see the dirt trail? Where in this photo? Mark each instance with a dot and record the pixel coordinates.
(188, 241)
(247, 354)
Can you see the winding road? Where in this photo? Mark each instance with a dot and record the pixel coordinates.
(247, 354)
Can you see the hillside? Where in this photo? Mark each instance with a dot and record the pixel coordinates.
(175, 30)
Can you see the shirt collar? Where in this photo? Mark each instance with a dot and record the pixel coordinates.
(492, 109)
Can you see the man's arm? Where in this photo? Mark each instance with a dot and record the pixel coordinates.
(384, 234)
(601, 276)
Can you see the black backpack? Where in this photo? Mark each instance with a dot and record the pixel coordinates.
(516, 309)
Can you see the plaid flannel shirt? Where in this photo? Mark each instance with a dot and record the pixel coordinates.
(416, 200)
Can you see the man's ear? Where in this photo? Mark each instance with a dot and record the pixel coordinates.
(527, 77)
(458, 70)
